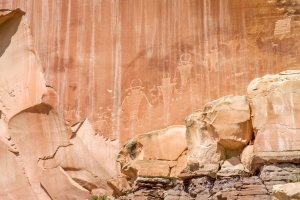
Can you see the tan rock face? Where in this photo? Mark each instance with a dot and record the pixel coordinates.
(38, 132)
(86, 160)
(220, 130)
(119, 185)
(246, 156)
(21, 80)
(14, 183)
(156, 154)
(68, 188)
(274, 101)
(93, 54)
(286, 192)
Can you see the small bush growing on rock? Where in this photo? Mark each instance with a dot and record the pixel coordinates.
(104, 197)
(296, 178)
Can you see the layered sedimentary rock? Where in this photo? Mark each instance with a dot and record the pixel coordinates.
(218, 131)
(157, 154)
(274, 101)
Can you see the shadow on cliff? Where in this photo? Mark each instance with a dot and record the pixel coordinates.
(8, 27)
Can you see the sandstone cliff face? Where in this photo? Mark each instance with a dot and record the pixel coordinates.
(63, 116)
(43, 157)
(101, 55)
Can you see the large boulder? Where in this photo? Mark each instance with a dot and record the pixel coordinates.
(156, 154)
(275, 106)
(286, 192)
(218, 131)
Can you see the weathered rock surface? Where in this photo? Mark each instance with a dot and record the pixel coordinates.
(120, 185)
(156, 154)
(22, 83)
(220, 130)
(286, 192)
(13, 181)
(38, 132)
(68, 188)
(91, 52)
(275, 174)
(86, 161)
(274, 101)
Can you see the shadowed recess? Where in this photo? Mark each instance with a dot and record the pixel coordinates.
(8, 27)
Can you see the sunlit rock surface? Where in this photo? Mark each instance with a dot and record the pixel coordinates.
(218, 131)
(101, 56)
(108, 72)
(286, 192)
(274, 101)
(22, 83)
(159, 153)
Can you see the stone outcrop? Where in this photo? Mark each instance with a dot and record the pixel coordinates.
(157, 154)
(235, 147)
(218, 131)
(287, 191)
(274, 101)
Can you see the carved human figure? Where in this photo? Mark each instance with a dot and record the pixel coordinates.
(184, 68)
(130, 107)
(166, 90)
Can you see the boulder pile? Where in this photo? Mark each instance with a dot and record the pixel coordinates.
(236, 147)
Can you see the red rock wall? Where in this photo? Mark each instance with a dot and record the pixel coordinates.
(118, 62)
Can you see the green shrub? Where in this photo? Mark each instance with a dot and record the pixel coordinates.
(296, 178)
(104, 197)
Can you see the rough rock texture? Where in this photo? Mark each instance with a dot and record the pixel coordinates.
(220, 130)
(86, 160)
(286, 192)
(91, 51)
(275, 174)
(274, 101)
(156, 154)
(120, 185)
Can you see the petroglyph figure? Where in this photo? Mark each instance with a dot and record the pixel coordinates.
(184, 68)
(166, 90)
(101, 123)
(71, 115)
(254, 29)
(212, 60)
(132, 102)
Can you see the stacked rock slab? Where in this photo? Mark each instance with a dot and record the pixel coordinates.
(218, 131)
(159, 154)
(275, 106)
